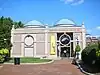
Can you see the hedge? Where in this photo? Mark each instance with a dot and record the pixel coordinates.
(3, 55)
(89, 54)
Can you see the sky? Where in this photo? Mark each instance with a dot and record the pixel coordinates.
(50, 11)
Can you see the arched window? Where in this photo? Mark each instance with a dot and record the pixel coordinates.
(64, 39)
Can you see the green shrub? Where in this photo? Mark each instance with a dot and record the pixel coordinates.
(3, 54)
(77, 49)
(1, 59)
(5, 51)
(98, 51)
(99, 45)
(90, 53)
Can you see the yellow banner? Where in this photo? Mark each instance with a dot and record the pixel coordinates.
(53, 44)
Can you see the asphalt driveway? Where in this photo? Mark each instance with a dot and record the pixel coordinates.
(58, 67)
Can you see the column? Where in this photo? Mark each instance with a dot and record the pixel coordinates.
(83, 36)
(46, 41)
(83, 39)
(12, 35)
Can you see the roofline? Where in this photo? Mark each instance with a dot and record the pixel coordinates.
(66, 25)
(38, 26)
(63, 24)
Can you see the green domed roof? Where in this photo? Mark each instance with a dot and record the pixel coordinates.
(65, 22)
(34, 23)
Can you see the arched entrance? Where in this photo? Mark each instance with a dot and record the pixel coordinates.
(29, 46)
(64, 44)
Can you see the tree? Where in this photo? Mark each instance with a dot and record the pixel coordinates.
(5, 32)
(98, 50)
(18, 24)
(99, 44)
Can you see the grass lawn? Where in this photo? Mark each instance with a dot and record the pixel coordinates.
(29, 60)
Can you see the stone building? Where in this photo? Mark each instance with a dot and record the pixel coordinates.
(39, 40)
(91, 40)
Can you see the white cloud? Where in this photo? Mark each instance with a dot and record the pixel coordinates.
(78, 2)
(73, 2)
(98, 28)
(68, 1)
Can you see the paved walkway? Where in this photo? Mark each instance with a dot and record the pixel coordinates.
(58, 67)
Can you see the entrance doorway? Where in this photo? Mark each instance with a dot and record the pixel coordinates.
(65, 52)
(64, 44)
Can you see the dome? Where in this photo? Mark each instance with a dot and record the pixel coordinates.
(34, 23)
(64, 22)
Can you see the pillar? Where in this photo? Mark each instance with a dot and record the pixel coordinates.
(46, 41)
(12, 35)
